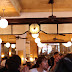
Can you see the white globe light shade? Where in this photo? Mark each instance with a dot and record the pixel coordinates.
(35, 35)
(0, 40)
(69, 43)
(43, 44)
(7, 44)
(13, 45)
(65, 44)
(37, 40)
(3, 23)
(40, 44)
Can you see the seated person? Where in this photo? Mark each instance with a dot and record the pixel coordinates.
(42, 65)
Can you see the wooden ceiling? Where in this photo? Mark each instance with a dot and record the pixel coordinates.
(15, 7)
(43, 6)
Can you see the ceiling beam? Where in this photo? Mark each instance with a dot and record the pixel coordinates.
(16, 5)
(20, 21)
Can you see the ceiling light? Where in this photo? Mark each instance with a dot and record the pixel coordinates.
(37, 40)
(7, 44)
(3, 21)
(35, 35)
(39, 44)
(13, 45)
(34, 28)
(69, 43)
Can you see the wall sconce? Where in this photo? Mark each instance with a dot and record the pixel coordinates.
(10, 53)
(2, 56)
(34, 28)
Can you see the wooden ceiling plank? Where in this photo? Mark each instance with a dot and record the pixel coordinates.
(16, 5)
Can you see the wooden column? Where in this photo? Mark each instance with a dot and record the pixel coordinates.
(21, 48)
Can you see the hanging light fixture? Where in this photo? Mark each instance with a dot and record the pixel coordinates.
(34, 28)
(35, 35)
(7, 44)
(13, 45)
(68, 44)
(39, 44)
(37, 40)
(0, 40)
(3, 21)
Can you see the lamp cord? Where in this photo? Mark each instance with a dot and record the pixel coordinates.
(52, 9)
(3, 12)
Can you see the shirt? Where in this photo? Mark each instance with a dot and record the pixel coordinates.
(3, 63)
(35, 70)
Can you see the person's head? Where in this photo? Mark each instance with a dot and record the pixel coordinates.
(17, 59)
(2, 59)
(29, 65)
(42, 62)
(65, 64)
(61, 55)
(35, 58)
(14, 63)
(56, 54)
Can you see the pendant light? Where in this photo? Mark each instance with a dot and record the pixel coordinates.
(37, 40)
(34, 28)
(3, 21)
(35, 35)
(7, 44)
(13, 45)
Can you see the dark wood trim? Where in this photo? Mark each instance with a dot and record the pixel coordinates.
(53, 42)
(10, 43)
(20, 21)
